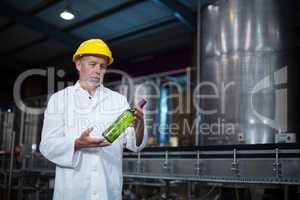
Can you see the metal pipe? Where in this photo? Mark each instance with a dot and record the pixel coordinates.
(22, 126)
(198, 115)
(11, 164)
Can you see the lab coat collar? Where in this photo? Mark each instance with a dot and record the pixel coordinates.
(99, 89)
(100, 93)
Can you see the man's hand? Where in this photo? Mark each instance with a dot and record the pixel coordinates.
(139, 125)
(85, 140)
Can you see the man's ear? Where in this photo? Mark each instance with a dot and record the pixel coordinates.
(78, 65)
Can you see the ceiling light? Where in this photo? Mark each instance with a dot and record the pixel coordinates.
(251, 121)
(67, 15)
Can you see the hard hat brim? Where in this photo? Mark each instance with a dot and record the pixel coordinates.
(76, 57)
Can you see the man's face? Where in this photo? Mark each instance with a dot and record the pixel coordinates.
(91, 69)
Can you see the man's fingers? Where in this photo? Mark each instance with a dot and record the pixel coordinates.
(138, 109)
(138, 115)
(104, 144)
(95, 145)
(96, 140)
(87, 132)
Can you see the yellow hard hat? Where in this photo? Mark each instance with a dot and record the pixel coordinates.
(96, 47)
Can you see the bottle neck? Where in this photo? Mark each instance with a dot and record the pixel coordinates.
(131, 109)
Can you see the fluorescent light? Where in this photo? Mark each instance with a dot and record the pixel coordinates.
(67, 15)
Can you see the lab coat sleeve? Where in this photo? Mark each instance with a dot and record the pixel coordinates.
(129, 138)
(55, 145)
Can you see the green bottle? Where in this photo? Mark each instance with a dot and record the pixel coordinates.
(121, 123)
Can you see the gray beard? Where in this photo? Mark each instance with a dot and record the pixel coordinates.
(93, 83)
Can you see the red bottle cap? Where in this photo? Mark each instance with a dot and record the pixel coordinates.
(141, 103)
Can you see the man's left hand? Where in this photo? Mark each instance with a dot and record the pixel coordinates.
(139, 124)
(138, 117)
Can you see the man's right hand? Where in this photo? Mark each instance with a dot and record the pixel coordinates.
(85, 140)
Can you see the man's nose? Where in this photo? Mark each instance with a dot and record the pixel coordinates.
(98, 69)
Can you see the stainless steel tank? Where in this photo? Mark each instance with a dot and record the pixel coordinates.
(30, 125)
(247, 57)
(7, 129)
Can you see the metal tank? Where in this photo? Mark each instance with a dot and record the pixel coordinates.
(29, 124)
(7, 119)
(247, 61)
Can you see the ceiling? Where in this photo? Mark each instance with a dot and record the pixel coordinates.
(33, 35)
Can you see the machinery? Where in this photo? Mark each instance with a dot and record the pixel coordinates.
(248, 57)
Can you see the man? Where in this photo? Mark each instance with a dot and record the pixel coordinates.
(87, 166)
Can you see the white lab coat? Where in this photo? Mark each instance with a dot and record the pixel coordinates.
(91, 173)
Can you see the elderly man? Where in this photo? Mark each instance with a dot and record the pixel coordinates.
(87, 166)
